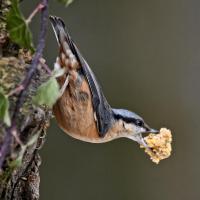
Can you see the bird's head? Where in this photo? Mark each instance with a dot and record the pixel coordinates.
(132, 125)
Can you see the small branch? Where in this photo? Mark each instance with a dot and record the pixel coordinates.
(45, 66)
(5, 148)
(39, 7)
(17, 90)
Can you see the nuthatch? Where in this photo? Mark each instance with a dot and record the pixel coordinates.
(83, 111)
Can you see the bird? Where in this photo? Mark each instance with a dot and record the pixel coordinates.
(83, 111)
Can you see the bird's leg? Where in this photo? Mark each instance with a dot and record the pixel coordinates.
(57, 66)
(64, 86)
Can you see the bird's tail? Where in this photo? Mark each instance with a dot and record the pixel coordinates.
(59, 28)
(62, 36)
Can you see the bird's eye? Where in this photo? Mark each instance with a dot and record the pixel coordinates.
(139, 122)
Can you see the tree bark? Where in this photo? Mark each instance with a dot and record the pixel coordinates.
(19, 175)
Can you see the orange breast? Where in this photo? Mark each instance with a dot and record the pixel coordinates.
(74, 111)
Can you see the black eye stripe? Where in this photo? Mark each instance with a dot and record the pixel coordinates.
(138, 122)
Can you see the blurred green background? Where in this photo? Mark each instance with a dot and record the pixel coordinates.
(146, 55)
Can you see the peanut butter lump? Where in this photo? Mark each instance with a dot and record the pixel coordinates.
(159, 145)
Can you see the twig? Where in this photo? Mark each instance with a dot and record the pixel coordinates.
(17, 90)
(5, 148)
(39, 7)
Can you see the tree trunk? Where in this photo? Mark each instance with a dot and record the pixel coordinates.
(19, 175)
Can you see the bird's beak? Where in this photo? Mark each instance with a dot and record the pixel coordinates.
(150, 130)
(153, 131)
(141, 140)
